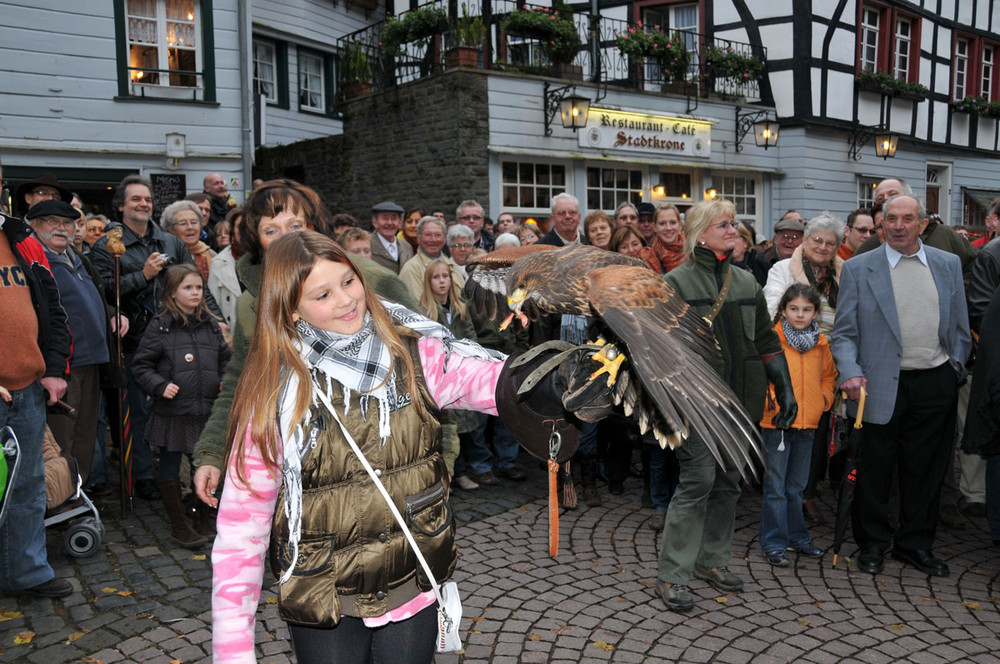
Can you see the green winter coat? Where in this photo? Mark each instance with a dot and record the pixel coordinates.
(742, 326)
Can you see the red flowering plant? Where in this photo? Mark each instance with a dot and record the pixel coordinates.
(729, 63)
(554, 28)
(668, 50)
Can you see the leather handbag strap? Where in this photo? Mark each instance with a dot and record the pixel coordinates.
(719, 301)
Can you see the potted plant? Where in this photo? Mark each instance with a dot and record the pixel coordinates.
(554, 28)
(888, 85)
(728, 63)
(978, 106)
(412, 26)
(668, 50)
(466, 39)
(355, 72)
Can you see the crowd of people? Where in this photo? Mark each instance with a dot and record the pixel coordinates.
(238, 323)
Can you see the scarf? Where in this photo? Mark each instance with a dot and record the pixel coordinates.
(801, 340)
(671, 255)
(362, 364)
(823, 279)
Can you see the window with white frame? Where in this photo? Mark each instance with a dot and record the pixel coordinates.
(162, 43)
(681, 18)
(988, 71)
(866, 191)
(312, 82)
(901, 68)
(742, 190)
(609, 186)
(530, 186)
(870, 18)
(265, 70)
(961, 68)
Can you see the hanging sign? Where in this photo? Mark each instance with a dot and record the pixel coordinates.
(625, 131)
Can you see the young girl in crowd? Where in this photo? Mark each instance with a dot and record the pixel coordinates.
(787, 453)
(179, 362)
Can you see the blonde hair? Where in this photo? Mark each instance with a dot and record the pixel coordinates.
(700, 217)
(273, 355)
(430, 304)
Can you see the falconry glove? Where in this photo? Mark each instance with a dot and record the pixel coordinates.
(777, 372)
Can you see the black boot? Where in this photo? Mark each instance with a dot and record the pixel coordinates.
(588, 479)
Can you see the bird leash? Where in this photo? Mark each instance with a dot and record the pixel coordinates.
(555, 442)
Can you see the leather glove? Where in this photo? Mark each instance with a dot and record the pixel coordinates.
(777, 373)
(589, 399)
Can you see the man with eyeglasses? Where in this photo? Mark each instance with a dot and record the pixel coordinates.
(431, 240)
(565, 222)
(788, 234)
(44, 187)
(626, 214)
(387, 250)
(81, 294)
(860, 227)
(470, 213)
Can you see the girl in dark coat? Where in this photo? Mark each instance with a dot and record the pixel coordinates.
(179, 363)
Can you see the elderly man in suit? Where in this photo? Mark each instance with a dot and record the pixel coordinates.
(387, 250)
(902, 334)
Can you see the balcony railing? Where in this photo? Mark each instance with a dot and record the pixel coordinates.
(599, 59)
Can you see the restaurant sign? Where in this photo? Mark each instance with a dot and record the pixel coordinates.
(624, 131)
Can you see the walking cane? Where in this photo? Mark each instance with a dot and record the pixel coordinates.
(116, 248)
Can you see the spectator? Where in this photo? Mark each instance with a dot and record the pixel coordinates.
(80, 233)
(506, 240)
(668, 242)
(96, 224)
(342, 221)
(183, 219)
(460, 240)
(745, 256)
(220, 200)
(645, 225)
(223, 283)
(204, 203)
(388, 251)
(43, 187)
(356, 241)
(90, 321)
(565, 222)
(408, 232)
(506, 223)
(431, 239)
(597, 227)
(470, 213)
(626, 214)
(910, 357)
(627, 240)
(224, 232)
(528, 233)
(37, 349)
(992, 222)
(788, 233)
(860, 227)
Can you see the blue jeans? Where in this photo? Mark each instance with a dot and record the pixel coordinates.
(504, 445)
(785, 475)
(23, 558)
(477, 452)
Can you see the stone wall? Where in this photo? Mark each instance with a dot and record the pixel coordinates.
(423, 143)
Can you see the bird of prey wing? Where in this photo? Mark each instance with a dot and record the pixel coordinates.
(674, 355)
(486, 285)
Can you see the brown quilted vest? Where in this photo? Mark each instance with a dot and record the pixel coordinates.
(353, 558)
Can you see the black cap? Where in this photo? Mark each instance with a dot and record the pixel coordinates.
(646, 208)
(47, 180)
(52, 208)
(387, 206)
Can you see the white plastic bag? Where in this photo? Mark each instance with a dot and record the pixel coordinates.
(449, 619)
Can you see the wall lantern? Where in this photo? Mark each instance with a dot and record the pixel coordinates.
(573, 109)
(765, 130)
(885, 141)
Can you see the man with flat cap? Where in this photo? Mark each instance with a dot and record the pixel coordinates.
(387, 250)
(44, 187)
(80, 291)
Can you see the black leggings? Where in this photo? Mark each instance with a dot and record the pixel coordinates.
(410, 641)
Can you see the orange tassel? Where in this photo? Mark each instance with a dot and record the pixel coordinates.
(553, 508)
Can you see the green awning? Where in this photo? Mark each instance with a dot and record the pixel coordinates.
(982, 197)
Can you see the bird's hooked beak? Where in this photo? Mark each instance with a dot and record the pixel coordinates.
(514, 301)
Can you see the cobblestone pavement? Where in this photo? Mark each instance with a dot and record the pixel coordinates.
(142, 600)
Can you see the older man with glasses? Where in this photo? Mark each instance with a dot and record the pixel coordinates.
(470, 213)
(44, 187)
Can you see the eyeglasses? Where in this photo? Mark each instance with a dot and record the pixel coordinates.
(817, 240)
(628, 217)
(863, 231)
(790, 236)
(461, 245)
(47, 193)
(722, 225)
(193, 223)
(566, 213)
(58, 221)
(471, 217)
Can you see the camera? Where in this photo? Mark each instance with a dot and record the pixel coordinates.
(166, 258)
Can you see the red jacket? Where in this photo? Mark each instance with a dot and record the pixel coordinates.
(814, 378)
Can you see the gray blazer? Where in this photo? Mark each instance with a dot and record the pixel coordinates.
(866, 340)
(382, 257)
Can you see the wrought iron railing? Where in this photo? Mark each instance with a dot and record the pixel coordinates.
(611, 67)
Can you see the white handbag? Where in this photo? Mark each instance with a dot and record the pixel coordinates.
(448, 599)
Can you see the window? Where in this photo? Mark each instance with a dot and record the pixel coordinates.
(315, 82)
(888, 41)
(607, 187)
(265, 70)
(987, 72)
(742, 191)
(165, 49)
(961, 70)
(669, 18)
(866, 191)
(531, 186)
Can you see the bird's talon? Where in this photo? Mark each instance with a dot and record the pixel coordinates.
(610, 360)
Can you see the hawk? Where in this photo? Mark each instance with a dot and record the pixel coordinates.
(660, 357)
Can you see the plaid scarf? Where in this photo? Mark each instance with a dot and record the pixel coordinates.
(360, 362)
(801, 340)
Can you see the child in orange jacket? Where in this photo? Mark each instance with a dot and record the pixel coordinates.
(787, 453)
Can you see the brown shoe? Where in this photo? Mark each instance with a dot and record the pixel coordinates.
(513, 473)
(486, 479)
(812, 511)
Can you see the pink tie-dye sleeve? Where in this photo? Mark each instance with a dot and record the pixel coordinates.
(468, 383)
(244, 526)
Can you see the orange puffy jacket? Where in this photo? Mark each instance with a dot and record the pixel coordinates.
(814, 378)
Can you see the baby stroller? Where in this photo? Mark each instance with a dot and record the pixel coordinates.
(8, 465)
(64, 487)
